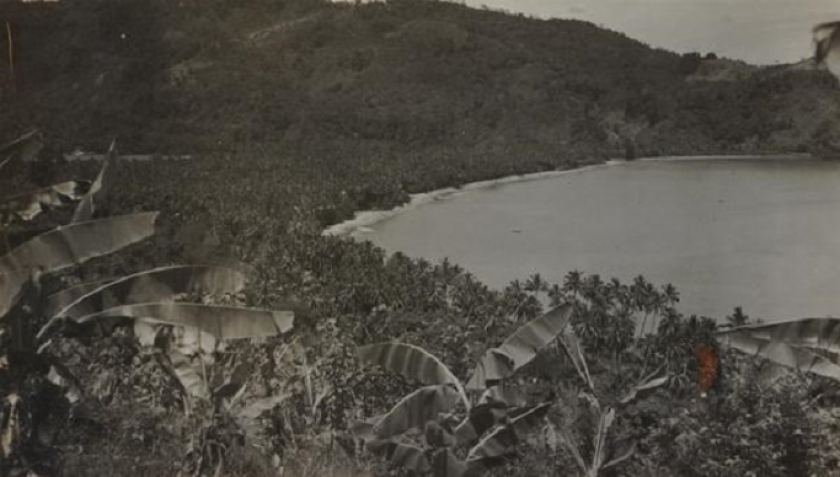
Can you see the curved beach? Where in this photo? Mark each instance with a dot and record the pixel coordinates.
(363, 220)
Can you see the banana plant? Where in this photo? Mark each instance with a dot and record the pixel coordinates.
(602, 458)
(806, 344)
(22, 271)
(27, 206)
(489, 429)
(519, 349)
(85, 208)
(159, 304)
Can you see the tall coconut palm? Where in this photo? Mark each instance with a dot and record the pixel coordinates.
(672, 296)
(573, 282)
(536, 284)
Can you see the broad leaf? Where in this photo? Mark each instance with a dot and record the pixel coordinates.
(190, 341)
(507, 393)
(69, 245)
(574, 350)
(524, 344)
(75, 243)
(502, 440)
(145, 333)
(254, 408)
(411, 362)
(234, 383)
(819, 333)
(189, 374)
(649, 383)
(438, 436)
(248, 416)
(781, 353)
(563, 437)
(416, 409)
(60, 376)
(223, 322)
(599, 442)
(157, 285)
(521, 347)
(769, 373)
(404, 456)
(27, 206)
(480, 419)
(151, 286)
(61, 299)
(620, 457)
(365, 429)
(11, 289)
(495, 365)
(85, 209)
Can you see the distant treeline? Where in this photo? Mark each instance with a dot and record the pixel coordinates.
(391, 98)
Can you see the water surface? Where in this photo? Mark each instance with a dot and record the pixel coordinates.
(760, 233)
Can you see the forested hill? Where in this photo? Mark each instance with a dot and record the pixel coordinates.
(436, 92)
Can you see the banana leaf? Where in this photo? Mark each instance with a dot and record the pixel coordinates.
(520, 348)
(187, 371)
(416, 409)
(411, 362)
(151, 286)
(27, 206)
(223, 322)
(66, 246)
(780, 352)
(649, 383)
(400, 455)
(502, 440)
(480, 419)
(818, 333)
(85, 209)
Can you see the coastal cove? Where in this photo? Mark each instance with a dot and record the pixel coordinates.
(752, 231)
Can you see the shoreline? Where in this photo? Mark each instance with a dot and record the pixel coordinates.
(363, 220)
(797, 156)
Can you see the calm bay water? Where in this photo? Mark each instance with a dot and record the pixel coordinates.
(759, 233)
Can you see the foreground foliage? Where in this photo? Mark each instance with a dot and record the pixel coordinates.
(593, 392)
(154, 303)
(490, 428)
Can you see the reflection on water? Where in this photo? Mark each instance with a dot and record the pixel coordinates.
(764, 234)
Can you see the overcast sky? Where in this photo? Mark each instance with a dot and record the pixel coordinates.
(757, 31)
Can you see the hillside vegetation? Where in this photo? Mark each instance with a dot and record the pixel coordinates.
(425, 94)
(300, 113)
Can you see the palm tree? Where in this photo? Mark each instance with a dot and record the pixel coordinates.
(515, 287)
(738, 318)
(593, 290)
(643, 293)
(535, 284)
(672, 296)
(423, 265)
(573, 282)
(555, 295)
